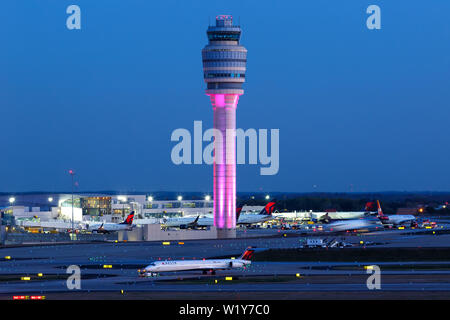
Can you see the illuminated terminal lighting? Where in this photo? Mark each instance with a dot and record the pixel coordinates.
(150, 199)
(50, 199)
(122, 198)
(39, 274)
(228, 278)
(166, 243)
(8, 258)
(208, 198)
(12, 200)
(179, 198)
(298, 275)
(107, 266)
(181, 243)
(267, 197)
(368, 267)
(25, 278)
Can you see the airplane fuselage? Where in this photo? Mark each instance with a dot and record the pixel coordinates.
(398, 219)
(191, 265)
(109, 227)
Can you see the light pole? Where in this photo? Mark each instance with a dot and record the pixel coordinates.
(72, 173)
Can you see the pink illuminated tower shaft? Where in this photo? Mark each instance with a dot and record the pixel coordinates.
(224, 66)
(224, 106)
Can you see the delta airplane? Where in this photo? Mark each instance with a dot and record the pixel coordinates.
(395, 220)
(210, 265)
(246, 219)
(191, 222)
(346, 215)
(126, 225)
(264, 215)
(182, 223)
(328, 217)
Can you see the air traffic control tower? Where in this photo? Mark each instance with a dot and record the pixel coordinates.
(224, 65)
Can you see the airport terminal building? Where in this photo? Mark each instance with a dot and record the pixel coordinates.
(95, 207)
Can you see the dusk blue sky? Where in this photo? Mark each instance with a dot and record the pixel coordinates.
(357, 109)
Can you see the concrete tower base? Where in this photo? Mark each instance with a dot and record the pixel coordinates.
(226, 233)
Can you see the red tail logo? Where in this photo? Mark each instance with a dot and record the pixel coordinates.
(129, 219)
(269, 208)
(370, 206)
(238, 212)
(248, 254)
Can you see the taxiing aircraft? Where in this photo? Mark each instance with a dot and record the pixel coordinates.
(353, 225)
(210, 265)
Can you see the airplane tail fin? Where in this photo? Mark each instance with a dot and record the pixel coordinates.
(380, 215)
(326, 218)
(380, 211)
(269, 208)
(129, 219)
(370, 206)
(238, 211)
(248, 254)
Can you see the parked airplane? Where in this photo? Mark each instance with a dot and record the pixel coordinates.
(246, 219)
(210, 265)
(395, 220)
(182, 223)
(126, 225)
(329, 217)
(264, 215)
(191, 223)
(209, 221)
